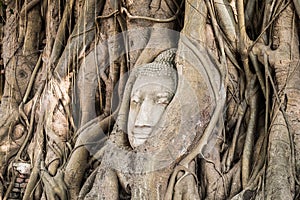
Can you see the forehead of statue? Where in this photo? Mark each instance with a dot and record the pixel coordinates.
(164, 82)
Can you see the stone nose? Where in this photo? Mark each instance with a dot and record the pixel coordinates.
(144, 118)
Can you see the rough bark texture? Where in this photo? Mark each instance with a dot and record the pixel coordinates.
(63, 72)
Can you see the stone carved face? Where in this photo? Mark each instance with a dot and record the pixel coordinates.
(149, 98)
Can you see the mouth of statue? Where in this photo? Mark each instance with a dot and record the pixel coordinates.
(142, 134)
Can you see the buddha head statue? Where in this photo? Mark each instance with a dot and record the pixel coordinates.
(160, 117)
(152, 91)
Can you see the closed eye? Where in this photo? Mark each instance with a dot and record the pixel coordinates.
(163, 100)
(135, 100)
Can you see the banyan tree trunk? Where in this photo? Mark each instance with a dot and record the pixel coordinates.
(66, 65)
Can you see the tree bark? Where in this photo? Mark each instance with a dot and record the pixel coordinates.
(63, 72)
